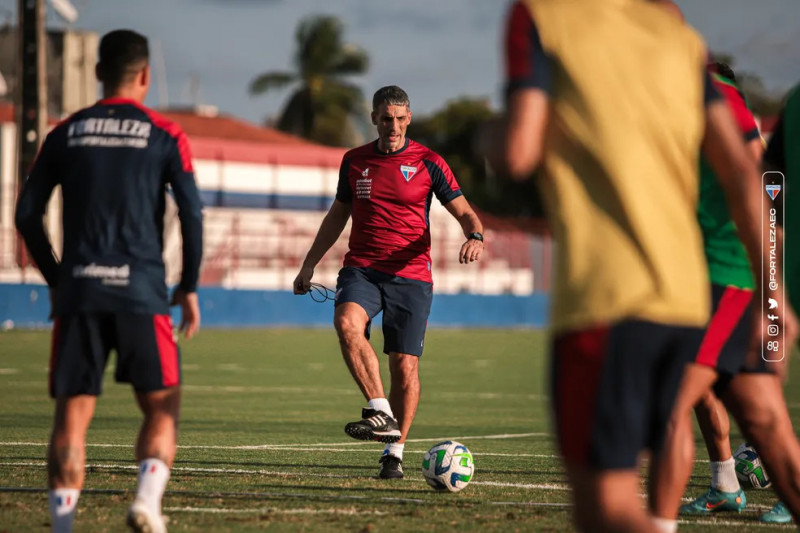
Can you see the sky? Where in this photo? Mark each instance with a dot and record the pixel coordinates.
(435, 49)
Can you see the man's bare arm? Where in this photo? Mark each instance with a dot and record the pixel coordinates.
(332, 226)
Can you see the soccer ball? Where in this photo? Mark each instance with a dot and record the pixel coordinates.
(749, 469)
(448, 466)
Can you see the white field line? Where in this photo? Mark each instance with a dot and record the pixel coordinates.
(325, 447)
(256, 389)
(729, 523)
(279, 473)
(319, 446)
(312, 449)
(272, 510)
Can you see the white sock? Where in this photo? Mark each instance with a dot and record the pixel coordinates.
(395, 449)
(381, 404)
(153, 476)
(723, 476)
(665, 525)
(62, 508)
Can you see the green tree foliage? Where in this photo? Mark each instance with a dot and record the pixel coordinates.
(453, 133)
(324, 106)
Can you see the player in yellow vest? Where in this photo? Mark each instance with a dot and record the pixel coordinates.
(611, 97)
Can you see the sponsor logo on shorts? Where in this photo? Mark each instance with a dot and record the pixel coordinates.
(109, 275)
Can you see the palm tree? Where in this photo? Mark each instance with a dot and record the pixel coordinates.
(324, 107)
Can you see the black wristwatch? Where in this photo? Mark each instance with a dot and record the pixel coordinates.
(475, 236)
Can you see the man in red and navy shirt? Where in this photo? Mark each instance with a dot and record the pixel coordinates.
(115, 163)
(387, 187)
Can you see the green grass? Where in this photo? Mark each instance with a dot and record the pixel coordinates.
(262, 445)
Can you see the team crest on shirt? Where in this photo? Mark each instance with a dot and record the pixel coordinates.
(408, 171)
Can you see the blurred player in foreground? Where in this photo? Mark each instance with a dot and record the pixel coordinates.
(617, 119)
(387, 187)
(115, 162)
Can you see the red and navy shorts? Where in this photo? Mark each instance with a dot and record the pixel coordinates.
(147, 354)
(613, 389)
(727, 338)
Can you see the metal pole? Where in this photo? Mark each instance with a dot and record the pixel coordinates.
(32, 93)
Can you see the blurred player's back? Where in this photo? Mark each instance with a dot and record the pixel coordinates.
(621, 158)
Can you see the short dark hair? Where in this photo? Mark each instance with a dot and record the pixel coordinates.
(123, 53)
(725, 70)
(390, 95)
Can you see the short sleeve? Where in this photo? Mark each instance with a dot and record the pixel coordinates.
(344, 192)
(527, 64)
(443, 182)
(738, 106)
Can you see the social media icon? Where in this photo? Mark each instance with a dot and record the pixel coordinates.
(773, 317)
(772, 330)
(773, 303)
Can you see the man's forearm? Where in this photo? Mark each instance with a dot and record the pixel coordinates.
(329, 231)
(470, 223)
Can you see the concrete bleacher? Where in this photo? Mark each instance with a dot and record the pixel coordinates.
(263, 249)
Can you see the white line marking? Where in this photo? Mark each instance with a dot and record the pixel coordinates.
(534, 486)
(350, 391)
(728, 523)
(317, 446)
(272, 510)
(8, 371)
(188, 469)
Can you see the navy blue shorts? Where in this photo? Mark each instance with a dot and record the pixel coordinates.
(147, 354)
(613, 389)
(727, 337)
(406, 304)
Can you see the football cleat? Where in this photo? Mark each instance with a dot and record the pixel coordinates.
(777, 515)
(142, 520)
(374, 425)
(714, 501)
(391, 467)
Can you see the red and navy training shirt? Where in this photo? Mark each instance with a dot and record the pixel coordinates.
(390, 197)
(115, 162)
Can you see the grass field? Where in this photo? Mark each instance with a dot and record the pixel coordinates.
(262, 445)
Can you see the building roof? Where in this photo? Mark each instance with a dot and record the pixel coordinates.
(225, 138)
(204, 123)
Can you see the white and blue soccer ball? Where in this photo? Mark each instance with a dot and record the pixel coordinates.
(448, 466)
(749, 469)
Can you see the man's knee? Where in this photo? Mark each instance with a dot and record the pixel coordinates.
(349, 323)
(404, 369)
(759, 409)
(708, 402)
(163, 405)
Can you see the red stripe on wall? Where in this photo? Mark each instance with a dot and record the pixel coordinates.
(731, 307)
(167, 350)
